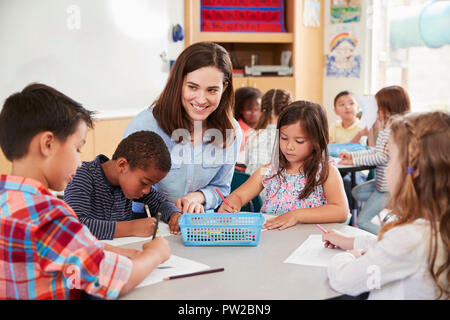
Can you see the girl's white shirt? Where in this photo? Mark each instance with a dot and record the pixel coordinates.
(394, 268)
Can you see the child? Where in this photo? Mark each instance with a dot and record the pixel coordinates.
(102, 190)
(304, 187)
(258, 150)
(346, 129)
(410, 258)
(390, 100)
(45, 250)
(247, 110)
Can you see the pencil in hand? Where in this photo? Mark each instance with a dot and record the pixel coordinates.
(223, 199)
(321, 228)
(158, 217)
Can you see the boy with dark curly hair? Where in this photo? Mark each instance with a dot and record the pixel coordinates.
(103, 190)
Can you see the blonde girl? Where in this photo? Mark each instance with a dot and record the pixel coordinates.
(411, 254)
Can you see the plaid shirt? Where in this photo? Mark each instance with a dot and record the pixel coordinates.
(45, 251)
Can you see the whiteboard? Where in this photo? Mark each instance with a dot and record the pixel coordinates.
(103, 53)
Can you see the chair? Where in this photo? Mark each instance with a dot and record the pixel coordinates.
(239, 178)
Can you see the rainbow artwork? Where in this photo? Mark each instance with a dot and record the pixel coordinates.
(339, 38)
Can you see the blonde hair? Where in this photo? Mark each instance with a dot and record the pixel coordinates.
(423, 140)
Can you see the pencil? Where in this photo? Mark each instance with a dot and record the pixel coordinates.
(148, 211)
(321, 228)
(225, 201)
(194, 273)
(158, 216)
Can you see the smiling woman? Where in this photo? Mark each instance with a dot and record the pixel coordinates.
(194, 116)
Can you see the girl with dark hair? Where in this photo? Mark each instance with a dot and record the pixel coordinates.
(300, 183)
(194, 116)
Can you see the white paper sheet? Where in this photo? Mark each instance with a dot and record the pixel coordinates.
(174, 266)
(312, 253)
(163, 231)
(369, 110)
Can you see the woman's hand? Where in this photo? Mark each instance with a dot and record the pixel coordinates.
(186, 205)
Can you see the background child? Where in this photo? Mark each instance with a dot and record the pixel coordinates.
(347, 128)
(410, 260)
(301, 185)
(102, 191)
(45, 251)
(390, 100)
(258, 150)
(247, 110)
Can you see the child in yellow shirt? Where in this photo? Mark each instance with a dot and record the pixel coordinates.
(347, 128)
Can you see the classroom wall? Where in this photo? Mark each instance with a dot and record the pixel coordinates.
(360, 86)
(104, 53)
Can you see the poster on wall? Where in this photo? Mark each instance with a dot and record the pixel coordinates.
(344, 56)
(345, 11)
(311, 13)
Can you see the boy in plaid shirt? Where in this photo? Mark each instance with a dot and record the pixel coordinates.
(45, 252)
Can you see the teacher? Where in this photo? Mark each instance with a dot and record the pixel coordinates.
(194, 116)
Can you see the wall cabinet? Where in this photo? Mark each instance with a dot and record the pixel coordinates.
(305, 43)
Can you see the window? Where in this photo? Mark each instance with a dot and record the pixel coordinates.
(402, 57)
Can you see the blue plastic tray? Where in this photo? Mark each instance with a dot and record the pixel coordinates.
(336, 148)
(221, 229)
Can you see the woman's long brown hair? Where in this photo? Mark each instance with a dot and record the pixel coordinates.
(168, 109)
(423, 140)
(313, 120)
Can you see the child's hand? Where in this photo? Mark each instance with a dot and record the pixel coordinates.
(173, 223)
(185, 205)
(334, 239)
(143, 227)
(345, 156)
(224, 208)
(130, 253)
(282, 222)
(364, 132)
(158, 246)
(356, 252)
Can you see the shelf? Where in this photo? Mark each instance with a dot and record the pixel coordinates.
(247, 37)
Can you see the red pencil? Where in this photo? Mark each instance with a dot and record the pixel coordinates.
(224, 199)
(321, 228)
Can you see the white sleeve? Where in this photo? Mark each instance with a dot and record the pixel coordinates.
(393, 258)
(364, 241)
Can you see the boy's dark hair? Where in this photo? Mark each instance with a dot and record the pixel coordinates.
(36, 109)
(142, 149)
(341, 94)
(242, 95)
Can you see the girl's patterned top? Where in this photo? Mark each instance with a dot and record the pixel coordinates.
(282, 193)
